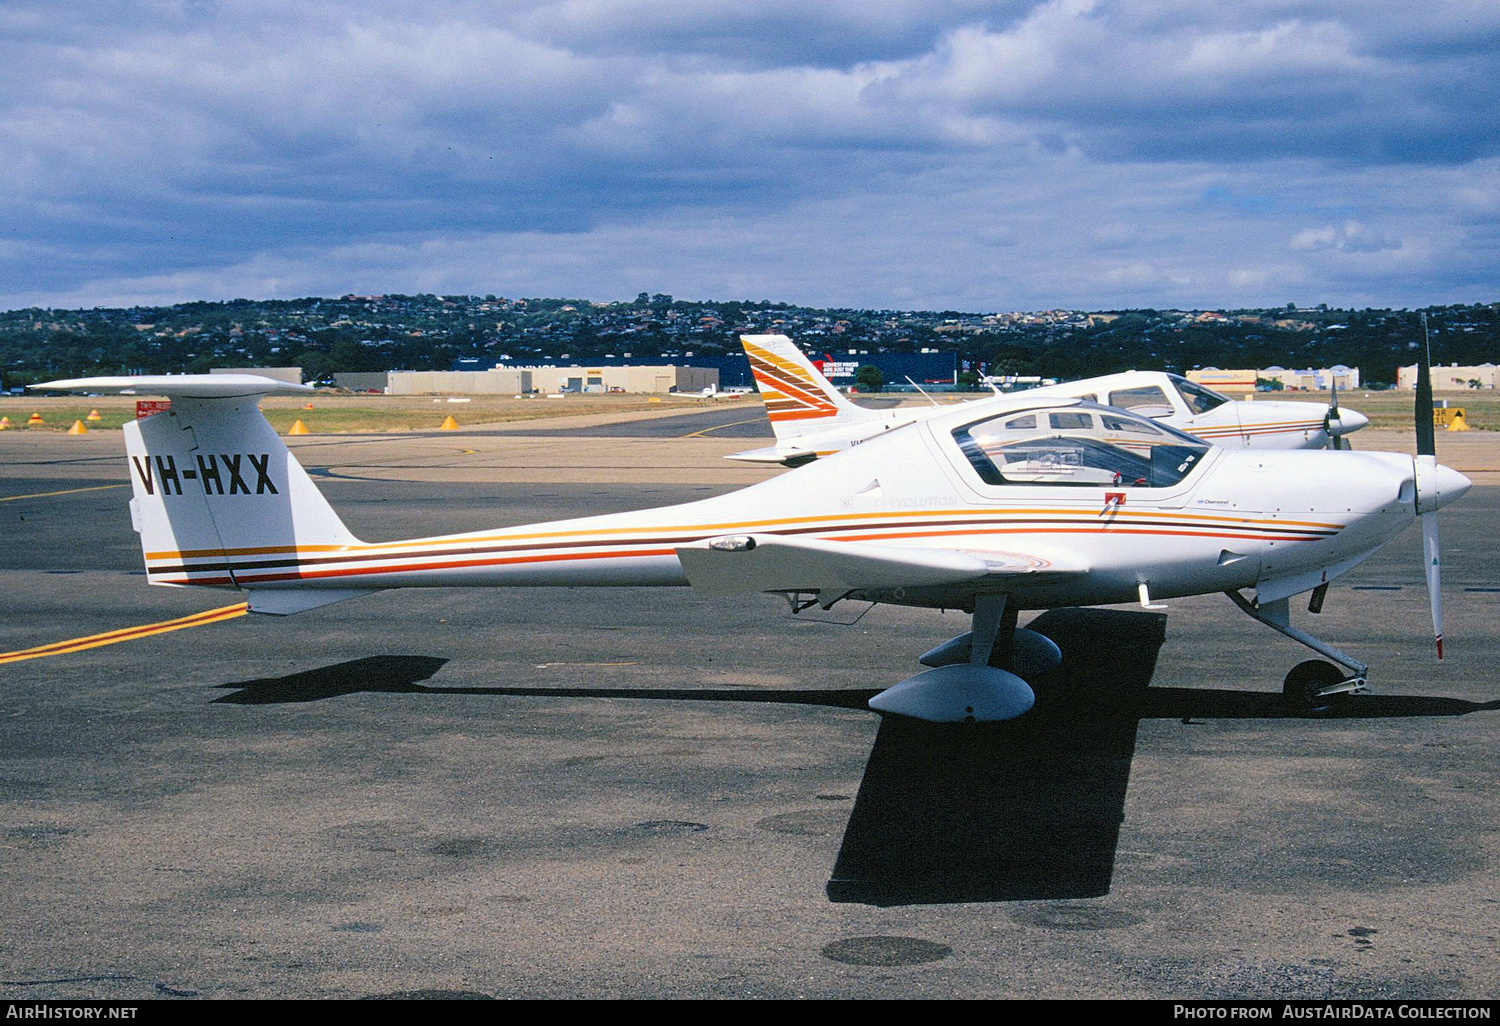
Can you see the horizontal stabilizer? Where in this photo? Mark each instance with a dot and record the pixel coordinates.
(770, 454)
(787, 456)
(277, 602)
(749, 563)
(188, 386)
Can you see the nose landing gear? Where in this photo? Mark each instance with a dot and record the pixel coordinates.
(1318, 688)
(1315, 687)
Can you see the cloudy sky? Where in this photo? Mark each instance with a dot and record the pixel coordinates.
(914, 154)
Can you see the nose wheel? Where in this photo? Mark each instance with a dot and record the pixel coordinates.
(1318, 688)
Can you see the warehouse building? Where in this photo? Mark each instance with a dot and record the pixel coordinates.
(1249, 379)
(925, 368)
(1451, 377)
(1313, 380)
(362, 381)
(521, 380)
(496, 381)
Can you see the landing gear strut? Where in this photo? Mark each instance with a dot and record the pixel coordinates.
(1314, 687)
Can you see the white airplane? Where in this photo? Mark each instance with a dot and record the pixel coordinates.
(1026, 502)
(710, 392)
(811, 418)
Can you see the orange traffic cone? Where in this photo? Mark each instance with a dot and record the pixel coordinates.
(93, 415)
(299, 428)
(449, 425)
(308, 406)
(4, 423)
(35, 418)
(78, 428)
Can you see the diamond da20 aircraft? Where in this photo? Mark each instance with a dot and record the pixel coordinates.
(810, 418)
(1029, 502)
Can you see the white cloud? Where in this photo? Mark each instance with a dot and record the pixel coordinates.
(1348, 237)
(1073, 152)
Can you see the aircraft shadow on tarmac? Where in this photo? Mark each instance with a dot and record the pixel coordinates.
(1026, 809)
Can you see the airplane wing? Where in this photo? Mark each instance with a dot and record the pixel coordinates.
(185, 386)
(707, 393)
(747, 563)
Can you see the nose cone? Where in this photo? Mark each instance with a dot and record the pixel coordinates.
(1347, 422)
(1437, 485)
(1448, 485)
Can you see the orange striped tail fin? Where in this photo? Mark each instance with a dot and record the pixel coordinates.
(798, 398)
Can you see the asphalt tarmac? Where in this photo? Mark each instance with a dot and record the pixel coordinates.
(647, 793)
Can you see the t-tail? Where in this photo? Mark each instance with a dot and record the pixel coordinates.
(798, 398)
(216, 489)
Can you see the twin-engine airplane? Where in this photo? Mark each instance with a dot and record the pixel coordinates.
(810, 418)
(1029, 502)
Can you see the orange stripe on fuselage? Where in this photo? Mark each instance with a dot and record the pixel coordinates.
(245, 580)
(740, 525)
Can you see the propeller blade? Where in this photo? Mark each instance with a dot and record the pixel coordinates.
(1426, 439)
(1427, 475)
(1331, 426)
(1434, 576)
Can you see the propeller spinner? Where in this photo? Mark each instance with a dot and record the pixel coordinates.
(1339, 423)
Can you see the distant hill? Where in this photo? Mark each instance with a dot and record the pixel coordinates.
(427, 332)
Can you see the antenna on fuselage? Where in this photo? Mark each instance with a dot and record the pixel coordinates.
(918, 387)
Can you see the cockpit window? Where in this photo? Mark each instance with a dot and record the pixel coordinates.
(1127, 426)
(1149, 401)
(1198, 398)
(1071, 421)
(1083, 446)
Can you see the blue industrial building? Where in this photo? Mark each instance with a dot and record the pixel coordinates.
(837, 365)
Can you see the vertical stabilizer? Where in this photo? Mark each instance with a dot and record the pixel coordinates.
(798, 398)
(217, 493)
(215, 486)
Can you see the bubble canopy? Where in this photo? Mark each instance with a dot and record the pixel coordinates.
(1080, 445)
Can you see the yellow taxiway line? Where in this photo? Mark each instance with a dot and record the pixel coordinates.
(720, 427)
(127, 633)
(66, 491)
